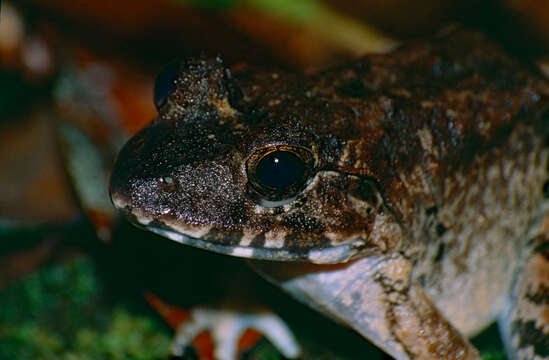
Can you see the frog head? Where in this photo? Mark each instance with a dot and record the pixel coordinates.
(259, 165)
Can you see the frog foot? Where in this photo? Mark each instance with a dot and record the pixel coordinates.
(216, 333)
(227, 327)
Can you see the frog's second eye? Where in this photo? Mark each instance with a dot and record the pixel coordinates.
(277, 175)
(165, 82)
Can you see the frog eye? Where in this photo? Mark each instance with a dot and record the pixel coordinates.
(164, 83)
(279, 169)
(276, 175)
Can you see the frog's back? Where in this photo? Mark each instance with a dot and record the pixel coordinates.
(462, 151)
(454, 133)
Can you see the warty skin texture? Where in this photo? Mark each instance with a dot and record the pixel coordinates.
(424, 207)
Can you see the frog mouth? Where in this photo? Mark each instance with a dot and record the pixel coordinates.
(260, 244)
(331, 255)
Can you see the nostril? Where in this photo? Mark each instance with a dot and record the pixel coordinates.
(168, 183)
(546, 189)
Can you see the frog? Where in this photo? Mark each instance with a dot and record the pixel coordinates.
(404, 195)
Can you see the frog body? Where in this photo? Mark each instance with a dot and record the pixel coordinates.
(404, 195)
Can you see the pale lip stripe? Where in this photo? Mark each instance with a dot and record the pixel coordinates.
(172, 235)
(245, 252)
(196, 232)
(272, 249)
(274, 239)
(334, 255)
(248, 237)
(238, 251)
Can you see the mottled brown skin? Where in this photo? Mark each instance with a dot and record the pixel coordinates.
(426, 182)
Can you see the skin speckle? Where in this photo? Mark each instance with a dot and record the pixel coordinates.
(258, 209)
(447, 136)
(451, 113)
(426, 139)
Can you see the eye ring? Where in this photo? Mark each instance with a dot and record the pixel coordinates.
(277, 174)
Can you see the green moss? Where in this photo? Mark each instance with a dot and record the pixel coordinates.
(493, 355)
(66, 312)
(28, 341)
(60, 313)
(127, 336)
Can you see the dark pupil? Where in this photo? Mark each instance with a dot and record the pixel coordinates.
(279, 170)
(164, 83)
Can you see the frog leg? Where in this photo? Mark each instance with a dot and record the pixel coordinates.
(227, 326)
(524, 322)
(222, 331)
(421, 329)
(376, 297)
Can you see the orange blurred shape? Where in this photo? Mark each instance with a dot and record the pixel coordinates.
(134, 96)
(102, 223)
(203, 345)
(130, 87)
(127, 18)
(534, 14)
(248, 340)
(174, 316)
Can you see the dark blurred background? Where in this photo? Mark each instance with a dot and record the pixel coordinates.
(76, 81)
